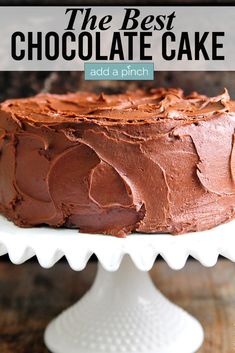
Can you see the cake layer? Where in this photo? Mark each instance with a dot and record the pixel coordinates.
(152, 161)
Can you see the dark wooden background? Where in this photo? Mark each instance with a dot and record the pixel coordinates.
(30, 297)
(23, 84)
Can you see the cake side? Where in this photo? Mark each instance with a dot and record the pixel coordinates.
(147, 161)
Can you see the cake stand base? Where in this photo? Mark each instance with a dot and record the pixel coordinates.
(123, 312)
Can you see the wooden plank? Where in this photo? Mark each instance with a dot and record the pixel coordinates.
(31, 296)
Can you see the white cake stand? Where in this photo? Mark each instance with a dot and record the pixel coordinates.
(123, 311)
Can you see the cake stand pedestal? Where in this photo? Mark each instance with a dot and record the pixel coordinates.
(123, 311)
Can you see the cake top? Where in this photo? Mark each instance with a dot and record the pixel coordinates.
(132, 107)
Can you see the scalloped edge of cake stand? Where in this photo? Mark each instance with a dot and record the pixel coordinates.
(23, 243)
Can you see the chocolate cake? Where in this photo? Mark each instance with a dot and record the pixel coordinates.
(149, 162)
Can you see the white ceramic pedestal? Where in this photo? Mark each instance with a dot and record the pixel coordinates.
(123, 311)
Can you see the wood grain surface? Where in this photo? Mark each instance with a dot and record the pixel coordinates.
(31, 296)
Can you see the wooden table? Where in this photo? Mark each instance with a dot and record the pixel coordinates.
(31, 296)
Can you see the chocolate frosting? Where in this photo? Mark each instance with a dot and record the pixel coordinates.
(154, 161)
